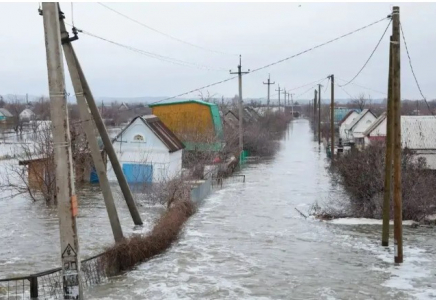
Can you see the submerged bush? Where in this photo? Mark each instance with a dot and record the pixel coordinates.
(140, 248)
(361, 174)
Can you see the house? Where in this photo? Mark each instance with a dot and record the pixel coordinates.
(41, 170)
(231, 119)
(5, 115)
(123, 107)
(345, 122)
(340, 113)
(418, 134)
(377, 130)
(196, 123)
(26, 115)
(148, 151)
(354, 131)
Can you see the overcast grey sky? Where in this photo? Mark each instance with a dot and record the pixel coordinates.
(261, 32)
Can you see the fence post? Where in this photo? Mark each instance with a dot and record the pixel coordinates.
(33, 287)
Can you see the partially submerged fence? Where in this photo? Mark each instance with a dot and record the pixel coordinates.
(220, 181)
(49, 284)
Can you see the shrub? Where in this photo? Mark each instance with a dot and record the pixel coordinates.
(361, 174)
(140, 248)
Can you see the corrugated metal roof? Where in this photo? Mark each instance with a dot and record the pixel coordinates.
(418, 132)
(167, 137)
(375, 124)
(5, 113)
(163, 133)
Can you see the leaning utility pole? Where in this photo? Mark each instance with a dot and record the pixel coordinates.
(241, 110)
(108, 147)
(88, 127)
(388, 156)
(268, 83)
(332, 117)
(396, 97)
(65, 186)
(279, 90)
(319, 113)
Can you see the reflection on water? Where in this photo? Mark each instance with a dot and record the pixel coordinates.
(245, 242)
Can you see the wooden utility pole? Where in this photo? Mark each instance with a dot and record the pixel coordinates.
(279, 90)
(241, 110)
(108, 147)
(292, 104)
(88, 126)
(396, 97)
(332, 117)
(65, 186)
(268, 83)
(319, 114)
(388, 156)
(315, 108)
(284, 93)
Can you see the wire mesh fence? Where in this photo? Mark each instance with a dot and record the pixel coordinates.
(49, 284)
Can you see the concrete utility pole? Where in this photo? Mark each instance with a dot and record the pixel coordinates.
(279, 90)
(319, 113)
(268, 83)
(88, 127)
(396, 96)
(241, 110)
(108, 147)
(65, 188)
(332, 117)
(388, 156)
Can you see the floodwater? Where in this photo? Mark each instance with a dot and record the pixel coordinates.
(246, 241)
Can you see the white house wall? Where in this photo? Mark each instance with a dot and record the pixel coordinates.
(348, 121)
(380, 130)
(150, 151)
(363, 125)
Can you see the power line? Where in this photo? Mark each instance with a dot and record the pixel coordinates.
(307, 84)
(310, 89)
(349, 95)
(195, 90)
(162, 33)
(320, 45)
(327, 85)
(364, 87)
(231, 78)
(413, 72)
(153, 55)
(370, 56)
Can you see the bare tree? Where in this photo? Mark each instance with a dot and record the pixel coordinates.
(361, 101)
(15, 105)
(34, 175)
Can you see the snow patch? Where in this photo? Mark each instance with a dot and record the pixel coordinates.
(364, 221)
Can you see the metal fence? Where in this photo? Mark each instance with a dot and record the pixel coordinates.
(49, 284)
(218, 182)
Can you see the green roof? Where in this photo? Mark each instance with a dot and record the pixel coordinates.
(182, 102)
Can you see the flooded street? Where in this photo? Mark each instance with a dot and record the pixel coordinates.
(246, 241)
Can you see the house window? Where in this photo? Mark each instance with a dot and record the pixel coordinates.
(138, 138)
